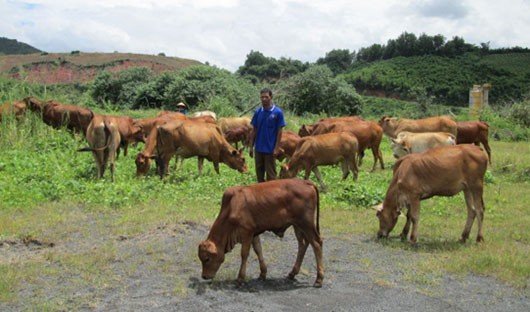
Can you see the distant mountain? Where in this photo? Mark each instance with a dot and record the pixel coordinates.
(12, 46)
(80, 67)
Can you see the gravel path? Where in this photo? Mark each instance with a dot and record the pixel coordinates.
(160, 271)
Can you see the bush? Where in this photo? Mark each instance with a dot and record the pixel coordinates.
(520, 113)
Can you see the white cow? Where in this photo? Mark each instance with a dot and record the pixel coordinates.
(417, 142)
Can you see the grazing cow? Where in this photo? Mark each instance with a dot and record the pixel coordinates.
(322, 150)
(56, 114)
(226, 123)
(239, 134)
(393, 126)
(306, 130)
(369, 135)
(412, 142)
(16, 108)
(473, 132)
(103, 138)
(287, 145)
(441, 171)
(248, 211)
(205, 113)
(188, 138)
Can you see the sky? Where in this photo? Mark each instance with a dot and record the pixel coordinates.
(224, 32)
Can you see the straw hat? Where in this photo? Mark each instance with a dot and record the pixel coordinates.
(180, 104)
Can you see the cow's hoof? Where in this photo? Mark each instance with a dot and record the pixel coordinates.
(291, 276)
(317, 284)
(262, 277)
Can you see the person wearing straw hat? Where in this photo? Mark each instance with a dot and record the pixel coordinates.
(182, 108)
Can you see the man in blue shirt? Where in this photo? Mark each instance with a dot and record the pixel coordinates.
(267, 124)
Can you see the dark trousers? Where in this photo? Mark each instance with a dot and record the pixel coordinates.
(265, 163)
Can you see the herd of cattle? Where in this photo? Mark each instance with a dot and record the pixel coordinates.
(437, 156)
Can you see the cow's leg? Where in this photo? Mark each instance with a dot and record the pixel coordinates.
(302, 247)
(480, 215)
(256, 245)
(471, 213)
(345, 169)
(316, 242)
(414, 212)
(360, 156)
(353, 167)
(406, 228)
(201, 164)
(245, 250)
(380, 157)
(317, 175)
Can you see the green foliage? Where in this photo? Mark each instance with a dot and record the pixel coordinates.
(317, 91)
(520, 113)
(448, 80)
(339, 61)
(259, 68)
(12, 46)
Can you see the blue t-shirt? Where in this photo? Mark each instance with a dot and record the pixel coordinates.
(267, 123)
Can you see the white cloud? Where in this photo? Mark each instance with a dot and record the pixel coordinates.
(223, 32)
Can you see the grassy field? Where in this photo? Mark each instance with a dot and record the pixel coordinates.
(48, 194)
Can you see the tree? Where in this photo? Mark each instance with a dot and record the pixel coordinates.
(317, 91)
(339, 61)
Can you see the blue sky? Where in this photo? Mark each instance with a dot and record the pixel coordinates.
(223, 32)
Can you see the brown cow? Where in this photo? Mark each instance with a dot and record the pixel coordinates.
(369, 135)
(441, 171)
(412, 142)
(473, 132)
(188, 138)
(103, 137)
(248, 211)
(130, 133)
(15, 108)
(323, 149)
(239, 134)
(57, 114)
(287, 145)
(392, 126)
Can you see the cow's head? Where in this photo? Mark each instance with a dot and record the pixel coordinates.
(387, 219)
(235, 159)
(305, 130)
(143, 163)
(389, 125)
(286, 172)
(211, 258)
(400, 148)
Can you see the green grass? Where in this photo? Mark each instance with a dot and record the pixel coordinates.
(49, 192)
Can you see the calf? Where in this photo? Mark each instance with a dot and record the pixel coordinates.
(323, 149)
(248, 211)
(287, 145)
(441, 171)
(473, 132)
(410, 142)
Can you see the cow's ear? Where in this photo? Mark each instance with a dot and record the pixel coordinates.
(406, 149)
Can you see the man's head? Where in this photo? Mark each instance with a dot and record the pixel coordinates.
(181, 107)
(266, 97)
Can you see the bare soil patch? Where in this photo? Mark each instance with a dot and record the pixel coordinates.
(160, 271)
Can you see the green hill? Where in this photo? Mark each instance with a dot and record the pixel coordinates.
(448, 80)
(12, 46)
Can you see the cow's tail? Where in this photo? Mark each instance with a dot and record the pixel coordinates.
(96, 149)
(318, 209)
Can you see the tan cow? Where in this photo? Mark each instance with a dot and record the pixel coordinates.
(369, 135)
(103, 138)
(412, 142)
(226, 123)
(56, 114)
(393, 126)
(189, 138)
(473, 132)
(205, 113)
(15, 108)
(323, 150)
(248, 211)
(441, 171)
